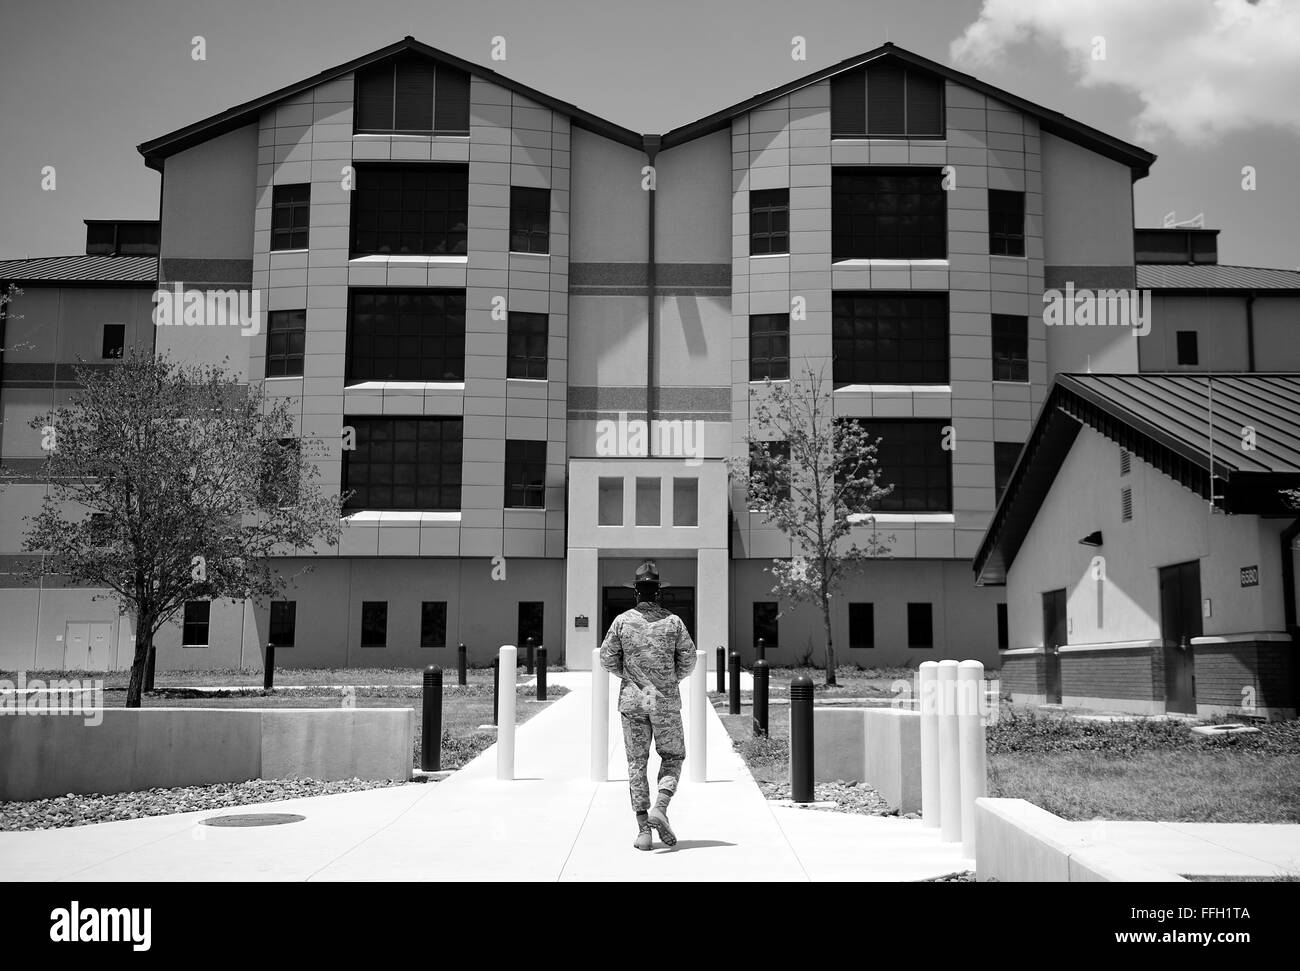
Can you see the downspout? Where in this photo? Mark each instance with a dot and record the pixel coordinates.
(1250, 332)
(651, 143)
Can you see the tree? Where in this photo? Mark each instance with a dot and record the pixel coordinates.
(809, 471)
(170, 483)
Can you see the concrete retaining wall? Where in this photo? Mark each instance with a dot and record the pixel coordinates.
(878, 746)
(1018, 842)
(143, 748)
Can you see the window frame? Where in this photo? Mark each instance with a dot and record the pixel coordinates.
(452, 240)
(104, 342)
(274, 623)
(297, 208)
(523, 623)
(1007, 363)
(444, 483)
(1003, 467)
(284, 359)
(188, 624)
(524, 218)
(441, 74)
(860, 108)
(925, 428)
(912, 615)
(450, 318)
(367, 627)
(1002, 240)
(849, 367)
(764, 326)
(1187, 340)
(764, 203)
(522, 328)
(921, 211)
(433, 636)
(870, 611)
(525, 460)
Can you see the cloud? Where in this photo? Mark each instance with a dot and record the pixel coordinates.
(1202, 68)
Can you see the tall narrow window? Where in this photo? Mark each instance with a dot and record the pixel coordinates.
(769, 347)
(525, 474)
(765, 624)
(1188, 353)
(609, 501)
(530, 220)
(648, 492)
(862, 625)
(194, 628)
(1006, 223)
(286, 341)
(114, 342)
(1004, 636)
(526, 345)
(769, 221)
(284, 623)
(920, 625)
(374, 623)
(290, 216)
(888, 213)
(686, 501)
(433, 623)
(1010, 347)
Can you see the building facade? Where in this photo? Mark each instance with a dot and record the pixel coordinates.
(527, 340)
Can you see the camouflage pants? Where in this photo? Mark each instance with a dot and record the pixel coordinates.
(666, 730)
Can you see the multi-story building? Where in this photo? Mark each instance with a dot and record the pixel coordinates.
(472, 293)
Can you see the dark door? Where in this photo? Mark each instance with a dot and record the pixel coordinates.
(1054, 637)
(1180, 621)
(680, 600)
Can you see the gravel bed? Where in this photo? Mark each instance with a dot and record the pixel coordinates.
(80, 810)
(849, 797)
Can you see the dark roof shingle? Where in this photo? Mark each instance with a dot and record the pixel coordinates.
(1187, 276)
(81, 269)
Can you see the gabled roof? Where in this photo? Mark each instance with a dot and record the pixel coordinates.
(1214, 276)
(157, 149)
(1137, 159)
(1165, 420)
(81, 269)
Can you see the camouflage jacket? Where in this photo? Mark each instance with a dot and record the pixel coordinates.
(649, 648)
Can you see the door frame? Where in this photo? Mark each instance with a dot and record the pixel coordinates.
(1179, 623)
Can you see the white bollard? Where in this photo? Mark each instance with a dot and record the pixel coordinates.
(599, 720)
(970, 725)
(926, 700)
(507, 660)
(949, 756)
(697, 740)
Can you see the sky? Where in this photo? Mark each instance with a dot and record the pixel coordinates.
(1210, 86)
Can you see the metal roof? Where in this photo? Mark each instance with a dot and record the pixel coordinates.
(1171, 421)
(81, 269)
(1213, 276)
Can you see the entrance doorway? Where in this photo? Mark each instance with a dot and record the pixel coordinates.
(1054, 637)
(1180, 621)
(615, 600)
(86, 646)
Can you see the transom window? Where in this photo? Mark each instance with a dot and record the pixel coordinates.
(290, 216)
(911, 457)
(526, 350)
(286, 339)
(769, 221)
(530, 220)
(887, 100)
(406, 335)
(414, 210)
(769, 347)
(1006, 223)
(525, 474)
(1010, 347)
(404, 463)
(412, 94)
(889, 338)
(888, 213)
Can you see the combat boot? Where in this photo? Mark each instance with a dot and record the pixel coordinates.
(659, 820)
(644, 837)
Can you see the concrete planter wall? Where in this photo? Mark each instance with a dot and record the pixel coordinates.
(878, 746)
(143, 748)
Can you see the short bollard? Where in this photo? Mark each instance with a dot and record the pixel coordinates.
(461, 673)
(949, 757)
(431, 726)
(509, 660)
(801, 739)
(761, 673)
(722, 670)
(268, 676)
(760, 650)
(970, 748)
(733, 676)
(927, 704)
(529, 654)
(599, 719)
(541, 674)
(496, 689)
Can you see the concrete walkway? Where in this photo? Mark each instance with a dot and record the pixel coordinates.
(550, 823)
(1205, 849)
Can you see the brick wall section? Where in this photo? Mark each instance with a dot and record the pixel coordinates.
(1224, 671)
(1110, 674)
(1023, 675)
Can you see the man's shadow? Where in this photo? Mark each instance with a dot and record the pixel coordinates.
(693, 845)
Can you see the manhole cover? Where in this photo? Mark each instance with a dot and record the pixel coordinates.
(254, 819)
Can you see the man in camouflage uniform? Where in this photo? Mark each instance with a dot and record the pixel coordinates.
(649, 648)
